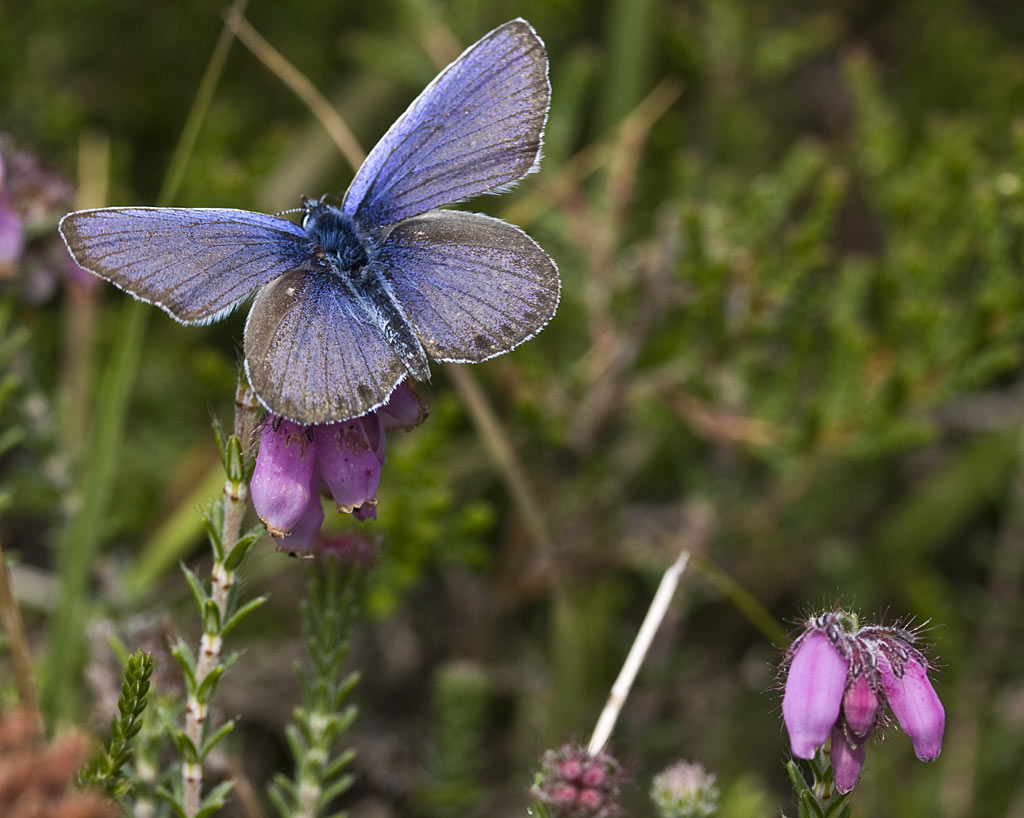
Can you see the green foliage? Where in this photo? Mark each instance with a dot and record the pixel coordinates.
(105, 771)
(330, 609)
(453, 764)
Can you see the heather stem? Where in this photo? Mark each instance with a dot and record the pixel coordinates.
(234, 503)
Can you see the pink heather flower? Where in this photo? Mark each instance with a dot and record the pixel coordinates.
(348, 463)
(575, 784)
(860, 706)
(914, 702)
(836, 662)
(685, 789)
(294, 461)
(846, 760)
(280, 486)
(814, 692)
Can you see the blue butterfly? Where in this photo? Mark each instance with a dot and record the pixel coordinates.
(360, 295)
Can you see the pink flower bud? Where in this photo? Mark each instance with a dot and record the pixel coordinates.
(348, 464)
(594, 774)
(860, 705)
(571, 768)
(403, 409)
(814, 692)
(846, 761)
(590, 799)
(915, 704)
(280, 486)
(563, 794)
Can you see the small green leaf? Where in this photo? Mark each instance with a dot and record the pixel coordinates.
(198, 592)
(242, 547)
(212, 741)
(211, 618)
(215, 799)
(183, 655)
(233, 461)
(242, 612)
(796, 777)
(209, 684)
(167, 797)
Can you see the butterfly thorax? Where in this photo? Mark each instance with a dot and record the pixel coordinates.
(342, 249)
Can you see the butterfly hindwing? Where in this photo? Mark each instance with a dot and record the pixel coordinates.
(476, 127)
(472, 286)
(312, 354)
(195, 264)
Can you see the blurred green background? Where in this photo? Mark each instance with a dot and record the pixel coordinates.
(791, 239)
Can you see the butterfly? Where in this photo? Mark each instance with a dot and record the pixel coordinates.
(360, 295)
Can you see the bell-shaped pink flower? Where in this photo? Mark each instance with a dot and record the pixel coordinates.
(915, 704)
(860, 706)
(348, 463)
(814, 692)
(403, 409)
(303, 535)
(280, 486)
(846, 760)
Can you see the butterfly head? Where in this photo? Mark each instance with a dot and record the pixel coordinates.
(339, 245)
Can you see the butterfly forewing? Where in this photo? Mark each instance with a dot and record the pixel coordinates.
(311, 353)
(472, 286)
(193, 263)
(476, 127)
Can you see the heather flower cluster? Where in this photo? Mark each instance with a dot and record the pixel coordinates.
(30, 196)
(685, 790)
(575, 784)
(839, 682)
(295, 461)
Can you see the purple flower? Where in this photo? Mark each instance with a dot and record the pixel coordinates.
(846, 760)
(839, 677)
(914, 703)
(860, 706)
(294, 461)
(814, 692)
(575, 784)
(281, 482)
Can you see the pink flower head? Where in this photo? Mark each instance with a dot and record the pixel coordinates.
(814, 692)
(575, 784)
(840, 675)
(294, 461)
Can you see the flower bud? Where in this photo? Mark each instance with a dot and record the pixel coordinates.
(860, 705)
(685, 790)
(403, 409)
(846, 760)
(915, 704)
(280, 486)
(814, 692)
